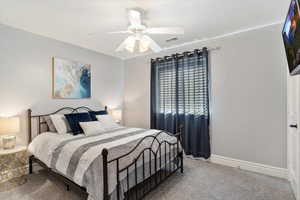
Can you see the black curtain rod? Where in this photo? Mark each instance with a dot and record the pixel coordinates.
(178, 55)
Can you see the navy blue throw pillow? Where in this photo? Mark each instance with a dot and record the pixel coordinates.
(94, 113)
(74, 119)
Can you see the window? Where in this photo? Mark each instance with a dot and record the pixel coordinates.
(182, 86)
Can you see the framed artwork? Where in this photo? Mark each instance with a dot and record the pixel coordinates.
(70, 79)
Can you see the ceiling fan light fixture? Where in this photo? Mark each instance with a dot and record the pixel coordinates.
(144, 45)
(130, 44)
(130, 47)
(139, 38)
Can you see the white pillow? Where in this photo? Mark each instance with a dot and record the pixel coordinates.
(91, 128)
(107, 121)
(61, 124)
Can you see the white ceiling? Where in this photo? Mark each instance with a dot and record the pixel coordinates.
(72, 20)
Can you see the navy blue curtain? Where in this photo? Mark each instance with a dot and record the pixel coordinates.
(180, 97)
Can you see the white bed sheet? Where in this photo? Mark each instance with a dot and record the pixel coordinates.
(43, 145)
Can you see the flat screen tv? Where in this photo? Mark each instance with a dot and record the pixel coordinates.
(291, 38)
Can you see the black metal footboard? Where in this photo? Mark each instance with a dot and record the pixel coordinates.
(152, 169)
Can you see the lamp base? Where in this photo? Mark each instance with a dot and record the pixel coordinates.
(8, 141)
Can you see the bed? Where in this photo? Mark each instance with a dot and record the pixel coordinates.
(121, 163)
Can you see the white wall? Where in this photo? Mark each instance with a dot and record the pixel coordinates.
(248, 88)
(25, 75)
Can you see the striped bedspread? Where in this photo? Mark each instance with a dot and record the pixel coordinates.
(79, 158)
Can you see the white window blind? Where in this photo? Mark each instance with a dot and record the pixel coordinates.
(183, 86)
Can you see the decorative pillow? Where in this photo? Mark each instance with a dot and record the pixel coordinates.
(93, 114)
(50, 124)
(107, 121)
(75, 118)
(60, 123)
(91, 128)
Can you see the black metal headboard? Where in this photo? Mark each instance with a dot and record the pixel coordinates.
(41, 122)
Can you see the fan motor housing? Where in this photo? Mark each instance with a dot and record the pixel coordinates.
(137, 29)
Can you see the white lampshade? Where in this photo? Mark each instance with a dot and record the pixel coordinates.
(117, 115)
(144, 45)
(130, 44)
(9, 125)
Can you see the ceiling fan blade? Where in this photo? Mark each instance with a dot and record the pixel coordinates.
(166, 30)
(130, 41)
(135, 18)
(119, 32)
(153, 45)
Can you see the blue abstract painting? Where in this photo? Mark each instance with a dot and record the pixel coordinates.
(71, 79)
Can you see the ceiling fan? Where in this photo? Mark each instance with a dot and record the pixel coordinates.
(139, 34)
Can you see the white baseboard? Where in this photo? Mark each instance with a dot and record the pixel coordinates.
(250, 166)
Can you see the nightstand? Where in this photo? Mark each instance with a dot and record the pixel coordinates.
(13, 163)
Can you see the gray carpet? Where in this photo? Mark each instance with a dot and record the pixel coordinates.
(201, 181)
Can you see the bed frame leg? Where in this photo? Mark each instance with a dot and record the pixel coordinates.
(181, 158)
(68, 187)
(105, 174)
(30, 168)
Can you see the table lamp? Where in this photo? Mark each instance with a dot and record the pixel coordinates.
(117, 115)
(8, 127)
